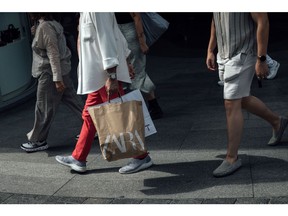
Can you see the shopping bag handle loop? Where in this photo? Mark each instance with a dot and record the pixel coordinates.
(119, 95)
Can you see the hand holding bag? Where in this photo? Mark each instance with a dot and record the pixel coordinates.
(154, 26)
(120, 128)
(137, 95)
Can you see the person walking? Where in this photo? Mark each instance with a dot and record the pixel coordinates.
(131, 27)
(51, 66)
(102, 70)
(241, 39)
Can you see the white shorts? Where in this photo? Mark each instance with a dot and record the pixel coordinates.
(237, 74)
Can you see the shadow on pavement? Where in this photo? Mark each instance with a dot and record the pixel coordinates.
(194, 176)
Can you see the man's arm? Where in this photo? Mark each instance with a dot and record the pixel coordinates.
(50, 43)
(210, 60)
(262, 21)
(262, 34)
(140, 32)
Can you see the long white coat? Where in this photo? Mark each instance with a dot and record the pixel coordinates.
(102, 46)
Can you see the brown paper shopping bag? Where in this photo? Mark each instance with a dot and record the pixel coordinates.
(120, 128)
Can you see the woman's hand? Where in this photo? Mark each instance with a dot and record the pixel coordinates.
(60, 86)
(131, 70)
(144, 48)
(33, 30)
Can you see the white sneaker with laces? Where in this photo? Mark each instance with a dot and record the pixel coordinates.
(34, 146)
(273, 69)
(71, 162)
(135, 165)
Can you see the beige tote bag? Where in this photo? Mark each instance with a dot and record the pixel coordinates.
(120, 128)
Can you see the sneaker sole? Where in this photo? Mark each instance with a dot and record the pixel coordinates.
(41, 148)
(142, 167)
(72, 166)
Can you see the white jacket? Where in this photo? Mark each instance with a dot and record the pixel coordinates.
(102, 46)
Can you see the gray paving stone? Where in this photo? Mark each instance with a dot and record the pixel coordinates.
(65, 200)
(248, 200)
(219, 201)
(26, 199)
(156, 201)
(98, 201)
(126, 201)
(4, 196)
(187, 201)
(279, 200)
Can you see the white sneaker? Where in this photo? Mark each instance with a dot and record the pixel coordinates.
(273, 69)
(135, 165)
(34, 146)
(71, 162)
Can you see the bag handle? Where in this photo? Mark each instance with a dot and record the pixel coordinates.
(119, 95)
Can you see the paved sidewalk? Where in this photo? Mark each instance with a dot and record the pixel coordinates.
(190, 144)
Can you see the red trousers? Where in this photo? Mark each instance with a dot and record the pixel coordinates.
(86, 138)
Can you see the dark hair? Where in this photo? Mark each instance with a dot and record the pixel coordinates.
(46, 16)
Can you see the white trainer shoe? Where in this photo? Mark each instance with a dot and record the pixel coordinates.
(273, 69)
